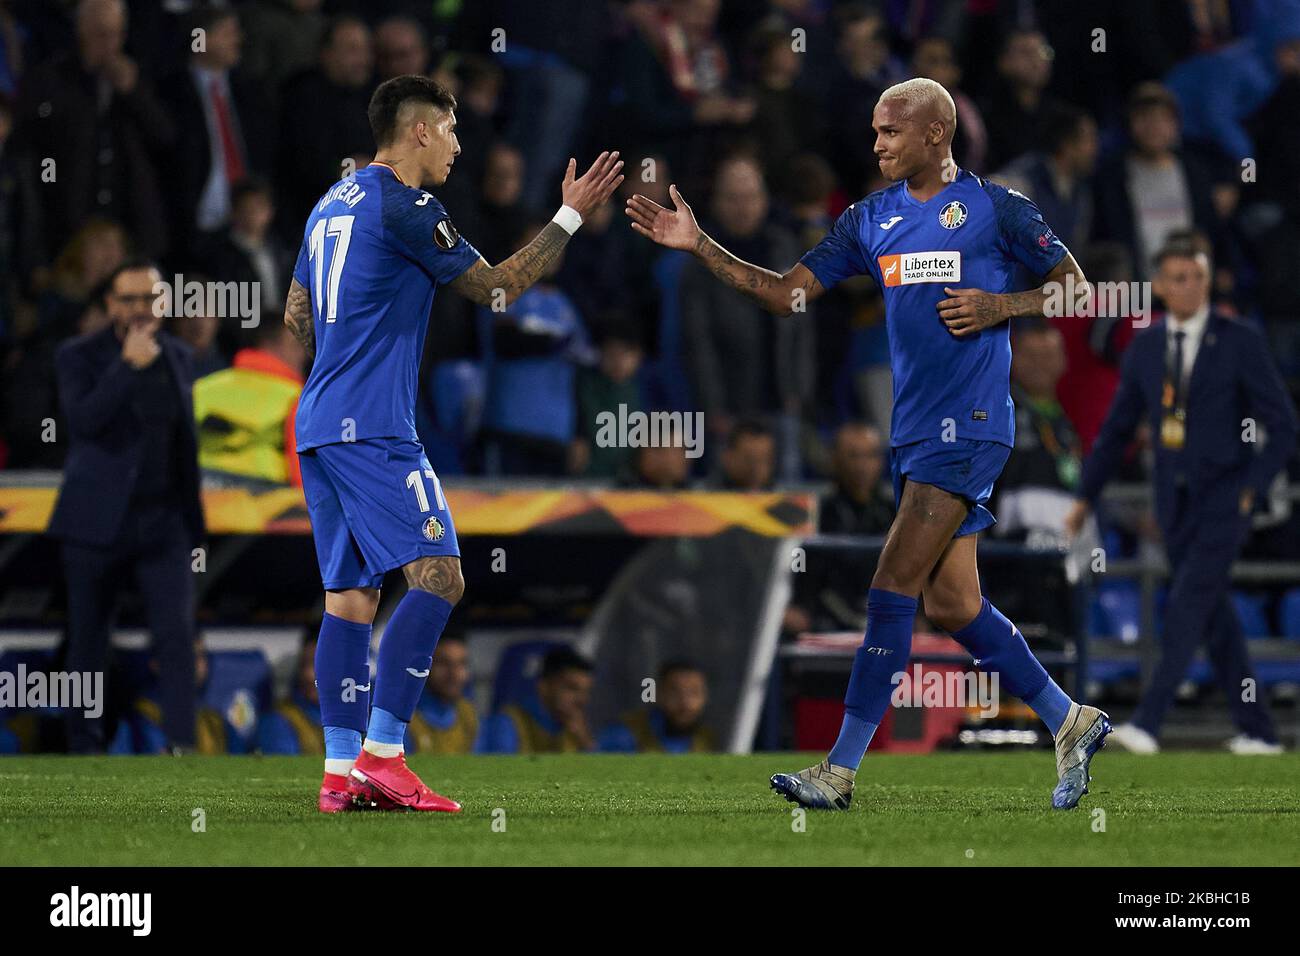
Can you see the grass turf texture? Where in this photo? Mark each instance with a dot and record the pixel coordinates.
(1174, 809)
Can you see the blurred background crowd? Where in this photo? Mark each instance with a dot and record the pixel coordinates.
(1125, 122)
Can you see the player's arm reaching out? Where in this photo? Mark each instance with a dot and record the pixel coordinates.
(480, 282)
(677, 229)
(970, 310)
(297, 315)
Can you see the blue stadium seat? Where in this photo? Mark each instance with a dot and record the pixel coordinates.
(1252, 614)
(32, 659)
(1270, 673)
(239, 688)
(1110, 670)
(1289, 614)
(1117, 610)
(517, 672)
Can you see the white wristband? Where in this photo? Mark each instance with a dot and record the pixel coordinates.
(568, 219)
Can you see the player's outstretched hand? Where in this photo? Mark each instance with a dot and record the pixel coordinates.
(970, 311)
(676, 229)
(589, 192)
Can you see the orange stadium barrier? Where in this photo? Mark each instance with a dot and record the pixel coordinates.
(491, 512)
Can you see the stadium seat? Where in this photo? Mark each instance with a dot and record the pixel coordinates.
(1289, 614)
(1252, 613)
(517, 672)
(1117, 610)
(239, 688)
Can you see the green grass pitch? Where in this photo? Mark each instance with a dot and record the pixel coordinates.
(956, 809)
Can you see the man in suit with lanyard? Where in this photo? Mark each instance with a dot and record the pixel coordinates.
(1223, 425)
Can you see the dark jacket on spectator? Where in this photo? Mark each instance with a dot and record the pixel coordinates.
(1114, 201)
(740, 360)
(105, 439)
(106, 165)
(191, 163)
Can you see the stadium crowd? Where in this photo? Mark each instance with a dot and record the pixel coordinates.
(198, 135)
(123, 135)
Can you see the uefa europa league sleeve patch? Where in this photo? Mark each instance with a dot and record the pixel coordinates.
(445, 235)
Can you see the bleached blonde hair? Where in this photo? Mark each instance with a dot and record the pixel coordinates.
(920, 93)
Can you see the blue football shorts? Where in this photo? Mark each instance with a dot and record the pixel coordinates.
(966, 467)
(375, 505)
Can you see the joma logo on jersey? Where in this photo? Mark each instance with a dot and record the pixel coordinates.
(909, 268)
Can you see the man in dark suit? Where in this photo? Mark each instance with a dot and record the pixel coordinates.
(222, 134)
(1209, 391)
(130, 495)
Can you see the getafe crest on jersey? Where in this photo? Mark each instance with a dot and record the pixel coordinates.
(971, 235)
(952, 215)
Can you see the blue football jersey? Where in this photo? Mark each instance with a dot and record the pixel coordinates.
(373, 251)
(973, 234)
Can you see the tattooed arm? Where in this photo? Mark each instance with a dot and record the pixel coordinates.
(968, 311)
(677, 229)
(583, 194)
(297, 315)
(772, 290)
(480, 281)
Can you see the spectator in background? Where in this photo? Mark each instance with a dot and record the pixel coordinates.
(663, 468)
(401, 49)
(96, 116)
(128, 415)
(1218, 91)
(1015, 109)
(786, 120)
(323, 121)
(864, 69)
(220, 138)
(553, 52)
(500, 204)
(532, 352)
(612, 382)
(199, 329)
(93, 253)
(22, 230)
(1059, 177)
(552, 721)
(1151, 189)
(1094, 346)
(444, 721)
(1041, 477)
(69, 305)
(247, 250)
(674, 722)
(740, 360)
(828, 594)
(672, 81)
(860, 503)
(479, 83)
(245, 413)
(293, 725)
(933, 57)
(282, 39)
(227, 722)
(749, 458)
